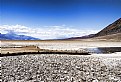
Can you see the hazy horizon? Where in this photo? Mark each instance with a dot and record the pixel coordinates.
(56, 19)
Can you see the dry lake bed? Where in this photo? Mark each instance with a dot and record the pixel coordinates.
(100, 66)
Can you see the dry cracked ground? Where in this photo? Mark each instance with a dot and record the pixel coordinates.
(60, 68)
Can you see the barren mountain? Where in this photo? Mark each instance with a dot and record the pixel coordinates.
(111, 37)
(111, 32)
(113, 28)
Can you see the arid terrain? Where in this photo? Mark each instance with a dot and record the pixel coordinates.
(61, 67)
(60, 40)
(62, 44)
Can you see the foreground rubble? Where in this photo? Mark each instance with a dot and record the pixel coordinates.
(60, 68)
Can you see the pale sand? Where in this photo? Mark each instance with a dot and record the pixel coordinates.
(105, 67)
(62, 44)
(65, 45)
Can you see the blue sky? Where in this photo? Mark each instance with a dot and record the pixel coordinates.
(73, 14)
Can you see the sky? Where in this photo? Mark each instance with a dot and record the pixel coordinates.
(53, 19)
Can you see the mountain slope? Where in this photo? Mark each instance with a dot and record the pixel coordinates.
(112, 37)
(111, 32)
(82, 37)
(113, 28)
(12, 36)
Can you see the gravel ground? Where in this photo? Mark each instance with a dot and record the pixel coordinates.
(60, 68)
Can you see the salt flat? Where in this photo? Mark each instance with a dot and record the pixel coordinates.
(62, 68)
(60, 44)
(64, 45)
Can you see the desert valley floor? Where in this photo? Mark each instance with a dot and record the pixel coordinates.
(62, 67)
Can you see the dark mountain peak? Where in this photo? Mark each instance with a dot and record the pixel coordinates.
(113, 28)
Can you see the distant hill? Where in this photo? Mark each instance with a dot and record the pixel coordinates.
(82, 37)
(111, 37)
(113, 28)
(111, 32)
(13, 36)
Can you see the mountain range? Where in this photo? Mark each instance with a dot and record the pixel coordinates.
(111, 32)
(113, 28)
(13, 36)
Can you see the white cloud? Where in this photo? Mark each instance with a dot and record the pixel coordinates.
(47, 32)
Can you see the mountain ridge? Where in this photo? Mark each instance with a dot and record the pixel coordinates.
(14, 36)
(107, 32)
(113, 30)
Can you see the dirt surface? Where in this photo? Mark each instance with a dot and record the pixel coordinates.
(6, 50)
(60, 68)
(35, 46)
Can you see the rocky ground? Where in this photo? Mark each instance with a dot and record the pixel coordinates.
(60, 68)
